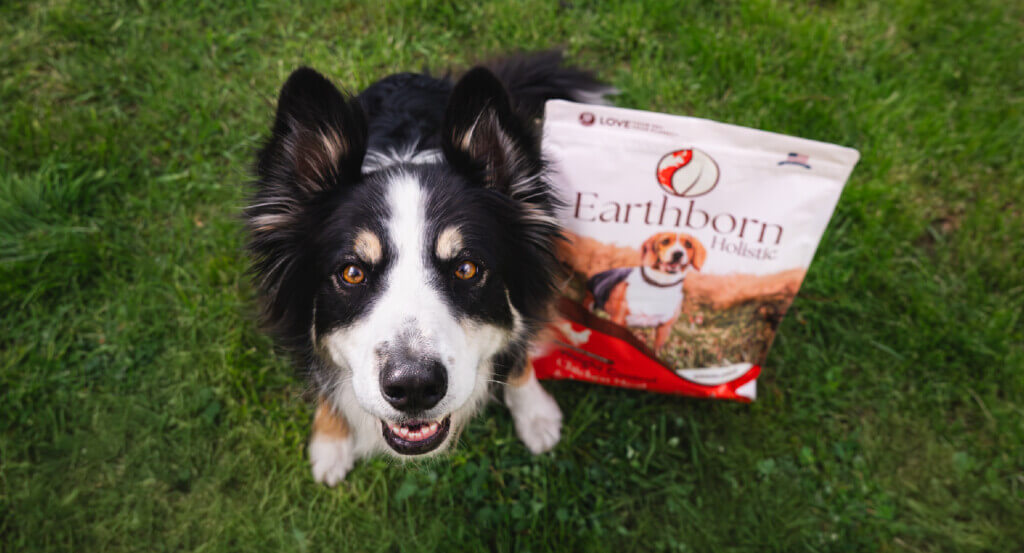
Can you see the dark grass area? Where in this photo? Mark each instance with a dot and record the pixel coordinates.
(142, 410)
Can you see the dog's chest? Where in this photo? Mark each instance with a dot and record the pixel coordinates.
(651, 305)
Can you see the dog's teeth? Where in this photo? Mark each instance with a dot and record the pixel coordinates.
(423, 430)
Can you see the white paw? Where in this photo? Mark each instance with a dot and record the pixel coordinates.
(331, 459)
(537, 417)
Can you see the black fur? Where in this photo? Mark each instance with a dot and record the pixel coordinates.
(533, 79)
(405, 109)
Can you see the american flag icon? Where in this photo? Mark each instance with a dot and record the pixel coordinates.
(796, 159)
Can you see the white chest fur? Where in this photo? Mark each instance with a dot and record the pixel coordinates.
(651, 305)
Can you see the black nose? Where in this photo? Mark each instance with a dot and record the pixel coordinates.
(676, 256)
(413, 386)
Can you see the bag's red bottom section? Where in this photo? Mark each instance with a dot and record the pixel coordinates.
(583, 353)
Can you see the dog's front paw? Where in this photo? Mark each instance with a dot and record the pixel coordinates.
(536, 415)
(331, 458)
(542, 429)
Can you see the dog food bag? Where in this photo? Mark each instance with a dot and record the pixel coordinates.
(689, 240)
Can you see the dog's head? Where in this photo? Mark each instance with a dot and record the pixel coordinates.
(408, 289)
(671, 253)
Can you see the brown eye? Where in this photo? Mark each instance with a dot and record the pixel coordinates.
(466, 270)
(688, 245)
(666, 241)
(352, 274)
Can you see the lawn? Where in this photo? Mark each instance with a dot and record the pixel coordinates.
(142, 410)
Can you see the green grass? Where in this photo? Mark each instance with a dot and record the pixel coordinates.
(142, 410)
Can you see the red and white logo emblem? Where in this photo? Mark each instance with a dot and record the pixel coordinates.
(687, 173)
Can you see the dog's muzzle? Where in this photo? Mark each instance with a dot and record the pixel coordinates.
(413, 386)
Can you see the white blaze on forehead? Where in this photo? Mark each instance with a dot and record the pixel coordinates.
(449, 243)
(368, 247)
(406, 229)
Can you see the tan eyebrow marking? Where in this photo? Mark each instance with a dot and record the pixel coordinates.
(368, 247)
(449, 243)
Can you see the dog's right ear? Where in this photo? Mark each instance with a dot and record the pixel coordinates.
(318, 140)
(316, 146)
(647, 251)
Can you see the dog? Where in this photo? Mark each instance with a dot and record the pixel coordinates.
(403, 245)
(650, 295)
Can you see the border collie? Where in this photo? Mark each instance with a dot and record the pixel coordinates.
(404, 249)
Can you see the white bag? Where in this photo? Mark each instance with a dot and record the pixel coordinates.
(690, 239)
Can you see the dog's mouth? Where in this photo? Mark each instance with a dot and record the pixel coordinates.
(669, 267)
(416, 437)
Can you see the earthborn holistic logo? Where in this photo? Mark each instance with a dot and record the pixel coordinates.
(687, 173)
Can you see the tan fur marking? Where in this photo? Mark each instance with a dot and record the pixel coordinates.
(334, 145)
(449, 243)
(653, 251)
(696, 251)
(327, 424)
(616, 303)
(467, 138)
(522, 377)
(269, 222)
(368, 247)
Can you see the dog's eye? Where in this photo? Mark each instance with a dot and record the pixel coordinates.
(352, 274)
(466, 270)
(688, 244)
(666, 241)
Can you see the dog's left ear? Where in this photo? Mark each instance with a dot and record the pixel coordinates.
(699, 253)
(483, 138)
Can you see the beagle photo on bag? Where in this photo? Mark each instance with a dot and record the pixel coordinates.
(650, 295)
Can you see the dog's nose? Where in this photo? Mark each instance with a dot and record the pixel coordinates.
(413, 385)
(677, 256)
